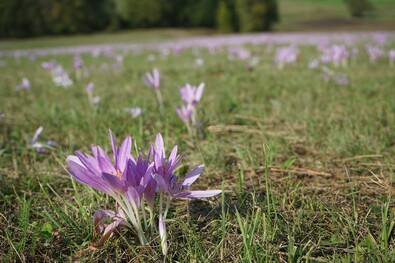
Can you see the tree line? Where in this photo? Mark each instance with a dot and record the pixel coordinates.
(27, 18)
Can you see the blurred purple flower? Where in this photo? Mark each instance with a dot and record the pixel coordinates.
(152, 80)
(185, 112)
(314, 63)
(286, 55)
(90, 87)
(39, 146)
(49, 65)
(239, 53)
(25, 85)
(191, 95)
(374, 53)
(335, 54)
(391, 56)
(77, 62)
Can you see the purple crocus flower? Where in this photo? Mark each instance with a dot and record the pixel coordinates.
(49, 65)
(98, 171)
(153, 80)
(168, 182)
(163, 235)
(118, 221)
(179, 189)
(162, 166)
(89, 87)
(77, 62)
(25, 85)
(335, 54)
(185, 112)
(391, 57)
(191, 95)
(286, 55)
(239, 53)
(374, 52)
(140, 177)
(39, 146)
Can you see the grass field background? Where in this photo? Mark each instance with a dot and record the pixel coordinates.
(306, 165)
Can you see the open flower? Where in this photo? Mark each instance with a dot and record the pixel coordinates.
(114, 177)
(131, 182)
(98, 171)
(163, 174)
(164, 167)
(179, 189)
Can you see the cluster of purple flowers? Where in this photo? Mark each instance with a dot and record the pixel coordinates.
(135, 183)
(59, 75)
(239, 53)
(286, 55)
(335, 54)
(374, 52)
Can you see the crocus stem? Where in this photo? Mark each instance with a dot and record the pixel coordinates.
(190, 134)
(160, 100)
(160, 203)
(167, 207)
(144, 214)
(78, 74)
(133, 217)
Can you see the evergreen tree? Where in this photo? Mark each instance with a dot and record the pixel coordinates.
(224, 20)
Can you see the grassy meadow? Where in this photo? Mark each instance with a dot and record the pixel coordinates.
(306, 165)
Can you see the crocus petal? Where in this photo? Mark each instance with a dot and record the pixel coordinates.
(147, 176)
(109, 231)
(161, 182)
(36, 134)
(163, 235)
(198, 194)
(105, 163)
(114, 184)
(199, 92)
(114, 146)
(98, 153)
(98, 220)
(191, 177)
(124, 153)
(83, 175)
(133, 197)
(159, 146)
(89, 162)
(156, 77)
(173, 155)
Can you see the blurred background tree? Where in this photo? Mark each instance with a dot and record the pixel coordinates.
(26, 18)
(224, 19)
(256, 15)
(358, 8)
